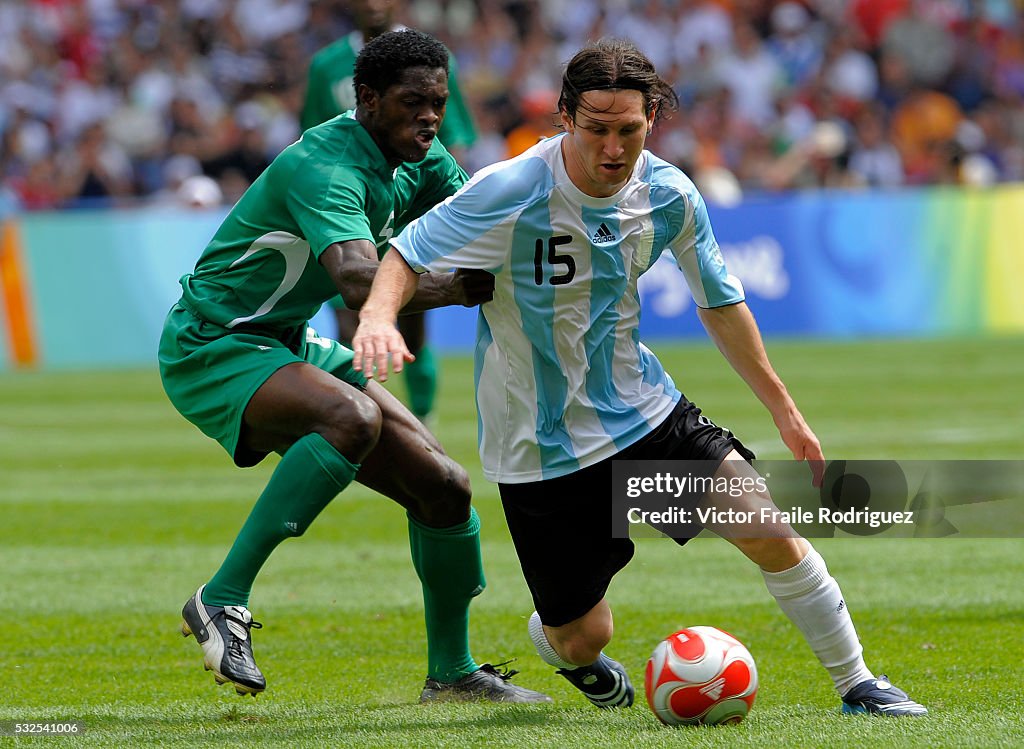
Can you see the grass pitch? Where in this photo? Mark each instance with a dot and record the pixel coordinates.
(113, 509)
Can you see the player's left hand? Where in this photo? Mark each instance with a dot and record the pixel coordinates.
(378, 345)
(803, 443)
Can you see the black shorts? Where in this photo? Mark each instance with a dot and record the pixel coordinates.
(562, 527)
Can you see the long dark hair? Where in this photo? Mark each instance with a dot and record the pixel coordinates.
(615, 64)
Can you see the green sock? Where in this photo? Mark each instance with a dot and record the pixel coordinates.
(308, 477)
(449, 566)
(421, 379)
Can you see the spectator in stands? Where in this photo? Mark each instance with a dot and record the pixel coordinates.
(752, 76)
(847, 70)
(795, 43)
(924, 126)
(247, 156)
(872, 17)
(539, 110)
(702, 27)
(924, 44)
(96, 171)
(873, 159)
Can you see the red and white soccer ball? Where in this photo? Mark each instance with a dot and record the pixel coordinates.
(700, 676)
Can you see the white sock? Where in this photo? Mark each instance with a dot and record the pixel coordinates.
(544, 649)
(811, 598)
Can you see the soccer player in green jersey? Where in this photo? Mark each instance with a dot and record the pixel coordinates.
(329, 92)
(239, 361)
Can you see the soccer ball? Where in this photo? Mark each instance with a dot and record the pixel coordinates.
(700, 676)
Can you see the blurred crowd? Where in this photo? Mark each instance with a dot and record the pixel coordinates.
(171, 101)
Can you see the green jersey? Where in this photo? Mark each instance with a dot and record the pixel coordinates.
(261, 269)
(329, 91)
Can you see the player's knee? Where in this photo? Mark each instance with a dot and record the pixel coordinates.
(456, 490)
(353, 427)
(444, 498)
(456, 484)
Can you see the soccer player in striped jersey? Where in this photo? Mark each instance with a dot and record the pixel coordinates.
(239, 361)
(564, 385)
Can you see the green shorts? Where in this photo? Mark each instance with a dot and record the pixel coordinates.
(210, 373)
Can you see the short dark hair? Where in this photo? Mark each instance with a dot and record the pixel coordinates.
(382, 61)
(615, 64)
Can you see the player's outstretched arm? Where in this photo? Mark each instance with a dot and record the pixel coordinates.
(377, 343)
(735, 332)
(353, 266)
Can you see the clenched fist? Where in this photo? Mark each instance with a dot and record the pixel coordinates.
(472, 287)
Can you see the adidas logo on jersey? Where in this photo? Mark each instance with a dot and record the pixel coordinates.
(603, 235)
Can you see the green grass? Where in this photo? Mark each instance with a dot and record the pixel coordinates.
(113, 509)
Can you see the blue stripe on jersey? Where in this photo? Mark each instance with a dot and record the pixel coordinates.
(484, 340)
(536, 303)
(712, 266)
(667, 182)
(667, 223)
(484, 202)
(654, 373)
(607, 287)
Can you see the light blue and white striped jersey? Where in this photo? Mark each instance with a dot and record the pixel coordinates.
(562, 379)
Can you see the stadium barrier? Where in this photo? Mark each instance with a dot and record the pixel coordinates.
(84, 289)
